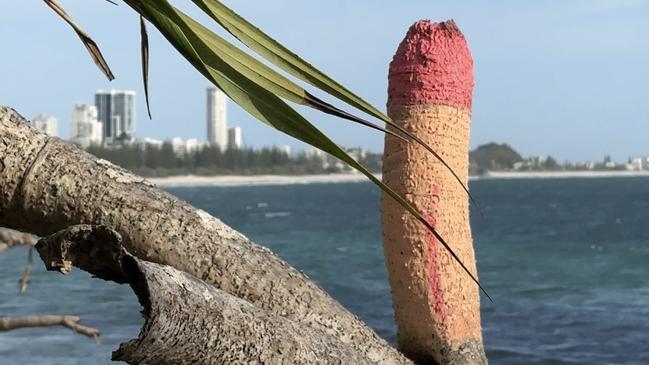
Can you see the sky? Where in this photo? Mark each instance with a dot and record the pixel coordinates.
(569, 78)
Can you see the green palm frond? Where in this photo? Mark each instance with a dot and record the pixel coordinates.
(282, 57)
(288, 61)
(259, 89)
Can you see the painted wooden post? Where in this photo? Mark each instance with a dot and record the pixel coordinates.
(437, 306)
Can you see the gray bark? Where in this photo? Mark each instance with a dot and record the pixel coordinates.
(188, 321)
(47, 185)
(71, 322)
(10, 238)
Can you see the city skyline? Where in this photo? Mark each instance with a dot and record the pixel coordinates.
(90, 131)
(84, 119)
(87, 126)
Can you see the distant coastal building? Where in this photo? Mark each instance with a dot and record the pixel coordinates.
(150, 142)
(181, 147)
(46, 124)
(609, 164)
(235, 139)
(638, 163)
(315, 153)
(588, 165)
(286, 149)
(328, 161)
(116, 111)
(357, 153)
(85, 128)
(217, 114)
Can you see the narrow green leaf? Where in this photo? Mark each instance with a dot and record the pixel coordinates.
(257, 100)
(285, 88)
(281, 56)
(265, 76)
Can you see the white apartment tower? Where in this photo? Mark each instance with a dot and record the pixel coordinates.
(217, 116)
(116, 112)
(85, 128)
(235, 140)
(46, 124)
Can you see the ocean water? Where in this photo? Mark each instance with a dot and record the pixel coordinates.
(566, 261)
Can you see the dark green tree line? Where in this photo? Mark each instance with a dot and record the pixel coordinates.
(153, 160)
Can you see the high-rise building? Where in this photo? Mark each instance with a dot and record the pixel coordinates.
(235, 140)
(116, 111)
(46, 124)
(85, 127)
(217, 114)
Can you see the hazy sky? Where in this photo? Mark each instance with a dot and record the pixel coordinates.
(567, 77)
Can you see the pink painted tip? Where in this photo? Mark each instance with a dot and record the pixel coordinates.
(433, 65)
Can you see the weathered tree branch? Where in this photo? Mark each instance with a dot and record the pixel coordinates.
(188, 321)
(23, 283)
(47, 185)
(71, 322)
(10, 238)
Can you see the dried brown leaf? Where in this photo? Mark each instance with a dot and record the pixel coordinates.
(144, 35)
(90, 45)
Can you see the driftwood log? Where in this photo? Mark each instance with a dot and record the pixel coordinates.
(48, 185)
(188, 321)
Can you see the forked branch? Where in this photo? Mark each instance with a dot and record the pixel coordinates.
(71, 322)
(187, 320)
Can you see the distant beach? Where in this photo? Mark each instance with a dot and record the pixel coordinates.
(246, 180)
(243, 180)
(558, 174)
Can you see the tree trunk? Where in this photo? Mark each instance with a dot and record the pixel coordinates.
(188, 321)
(437, 307)
(47, 185)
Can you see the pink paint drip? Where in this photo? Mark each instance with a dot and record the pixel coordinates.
(435, 292)
(433, 65)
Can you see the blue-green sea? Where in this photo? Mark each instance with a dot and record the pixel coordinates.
(565, 260)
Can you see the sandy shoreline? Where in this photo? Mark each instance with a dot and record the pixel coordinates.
(245, 180)
(560, 174)
(251, 180)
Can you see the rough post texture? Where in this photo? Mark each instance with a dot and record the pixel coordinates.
(47, 185)
(188, 321)
(430, 93)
